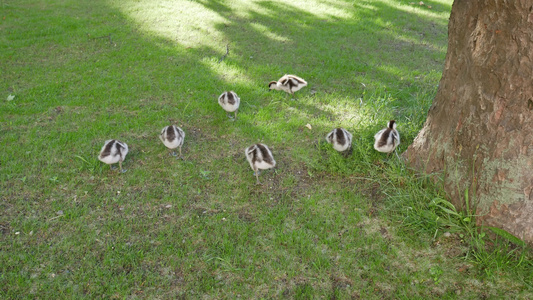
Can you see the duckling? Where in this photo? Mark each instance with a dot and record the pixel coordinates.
(259, 157)
(387, 139)
(288, 84)
(112, 152)
(172, 136)
(341, 139)
(229, 102)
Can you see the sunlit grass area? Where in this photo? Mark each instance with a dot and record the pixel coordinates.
(322, 225)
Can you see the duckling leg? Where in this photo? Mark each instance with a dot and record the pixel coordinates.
(395, 152)
(388, 156)
(120, 164)
(235, 116)
(181, 156)
(256, 173)
(293, 95)
(347, 152)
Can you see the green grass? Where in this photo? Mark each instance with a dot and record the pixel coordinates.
(320, 226)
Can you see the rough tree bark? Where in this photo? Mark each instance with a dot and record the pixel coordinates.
(479, 130)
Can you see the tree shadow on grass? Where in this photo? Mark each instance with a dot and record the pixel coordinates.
(337, 53)
(144, 79)
(128, 82)
(123, 81)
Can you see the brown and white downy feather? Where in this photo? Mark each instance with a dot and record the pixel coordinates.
(387, 139)
(172, 137)
(288, 84)
(260, 158)
(340, 138)
(230, 102)
(112, 152)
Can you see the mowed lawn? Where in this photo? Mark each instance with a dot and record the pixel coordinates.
(321, 225)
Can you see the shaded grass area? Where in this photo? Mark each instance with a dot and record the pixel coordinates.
(322, 225)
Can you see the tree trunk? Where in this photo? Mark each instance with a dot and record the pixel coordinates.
(479, 130)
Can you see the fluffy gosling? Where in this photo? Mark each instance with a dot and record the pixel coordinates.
(259, 157)
(387, 139)
(341, 139)
(172, 137)
(230, 102)
(112, 152)
(288, 84)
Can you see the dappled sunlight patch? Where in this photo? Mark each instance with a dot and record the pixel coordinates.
(323, 9)
(346, 112)
(195, 22)
(269, 34)
(197, 19)
(233, 77)
(440, 12)
(405, 42)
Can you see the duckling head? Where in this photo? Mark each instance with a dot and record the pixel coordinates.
(273, 85)
(391, 124)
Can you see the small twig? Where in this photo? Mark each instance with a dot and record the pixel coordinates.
(103, 37)
(224, 56)
(55, 217)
